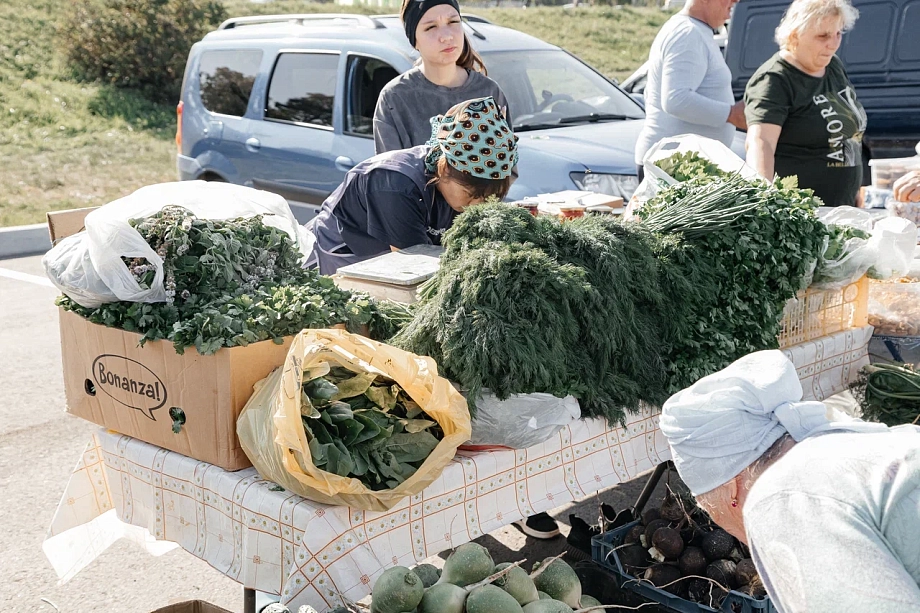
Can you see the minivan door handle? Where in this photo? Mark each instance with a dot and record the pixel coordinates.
(344, 163)
(253, 144)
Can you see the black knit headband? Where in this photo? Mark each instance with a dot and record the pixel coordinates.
(416, 10)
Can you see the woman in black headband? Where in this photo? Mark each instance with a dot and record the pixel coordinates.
(448, 72)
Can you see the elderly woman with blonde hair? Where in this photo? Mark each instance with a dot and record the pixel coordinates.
(829, 508)
(802, 112)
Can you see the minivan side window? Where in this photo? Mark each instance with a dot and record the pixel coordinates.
(226, 78)
(366, 78)
(302, 88)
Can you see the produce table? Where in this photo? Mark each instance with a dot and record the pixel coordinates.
(274, 541)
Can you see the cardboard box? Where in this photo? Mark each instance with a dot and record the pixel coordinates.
(192, 606)
(145, 391)
(65, 223)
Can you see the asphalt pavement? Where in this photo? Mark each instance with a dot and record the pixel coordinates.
(40, 445)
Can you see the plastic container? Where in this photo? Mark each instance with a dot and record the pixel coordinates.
(571, 211)
(819, 312)
(603, 551)
(886, 171)
(894, 307)
(529, 206)
(907, 210)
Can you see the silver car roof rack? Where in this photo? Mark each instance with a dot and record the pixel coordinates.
(362, 21)
(470, 18)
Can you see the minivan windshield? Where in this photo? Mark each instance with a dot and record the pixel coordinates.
(551, 88)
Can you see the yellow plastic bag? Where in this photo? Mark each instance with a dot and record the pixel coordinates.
(273, 436)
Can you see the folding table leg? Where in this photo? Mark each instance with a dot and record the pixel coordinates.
(249, 600)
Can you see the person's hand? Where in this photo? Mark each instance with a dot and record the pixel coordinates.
(907, 188)
(736, 115)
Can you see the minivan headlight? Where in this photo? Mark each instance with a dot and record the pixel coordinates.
(602, 183)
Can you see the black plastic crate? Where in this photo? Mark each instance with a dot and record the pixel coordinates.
(602, 550)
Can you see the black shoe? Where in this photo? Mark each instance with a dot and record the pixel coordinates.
(609, 513)
(539, 526)
(580, 535)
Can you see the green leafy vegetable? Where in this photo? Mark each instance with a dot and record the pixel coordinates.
(689, 165)
(616, 313)
(889, 393)
(365, 431)
(233, 282)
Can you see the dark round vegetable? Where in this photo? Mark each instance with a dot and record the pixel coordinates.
(692, 562)
(634, 558)
(632, 537)
(671, 509)
(649, 515)
(663, 576)
(668, 542)
(755, 590)
(718, 545)
(722, 571)
(688, 533)
(651, 528)
(745, 572)
(705, 592)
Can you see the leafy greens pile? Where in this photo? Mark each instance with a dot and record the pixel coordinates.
(611, 312)
(745, 270)
(689, 165)
(525, 304)
(233, 282)
(363, 425)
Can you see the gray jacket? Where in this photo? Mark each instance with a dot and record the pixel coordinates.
(408, 102)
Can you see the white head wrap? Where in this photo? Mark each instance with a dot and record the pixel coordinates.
(719, 425)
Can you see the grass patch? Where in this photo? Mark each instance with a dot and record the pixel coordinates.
(66, 144)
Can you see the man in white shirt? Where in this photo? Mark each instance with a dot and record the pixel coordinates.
(689, 84)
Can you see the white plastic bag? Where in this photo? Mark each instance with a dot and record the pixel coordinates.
(109, 237)
(707, 148)
(896, 240)
(521, 421)
(860, 253)
(887, 253)
(70, 269)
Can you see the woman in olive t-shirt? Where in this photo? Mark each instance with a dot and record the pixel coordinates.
(801, 108)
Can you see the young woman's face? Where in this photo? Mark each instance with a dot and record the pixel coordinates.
(816, 45)
(439, 35)
(456, 195)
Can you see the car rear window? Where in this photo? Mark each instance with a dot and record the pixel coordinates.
(302, 88)
(226, 77)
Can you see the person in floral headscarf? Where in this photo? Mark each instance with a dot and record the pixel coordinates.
(412, 196)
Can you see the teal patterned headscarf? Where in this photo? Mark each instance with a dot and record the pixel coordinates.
(475, 138)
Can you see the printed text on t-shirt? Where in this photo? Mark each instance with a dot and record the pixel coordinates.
(838, 142)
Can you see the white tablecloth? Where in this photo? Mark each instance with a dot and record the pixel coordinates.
(274, 541)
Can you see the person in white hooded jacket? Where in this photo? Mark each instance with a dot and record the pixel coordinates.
(829, 509)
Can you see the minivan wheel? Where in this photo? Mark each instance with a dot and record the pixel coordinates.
(212, 176)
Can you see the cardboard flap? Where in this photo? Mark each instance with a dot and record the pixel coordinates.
(62, 224)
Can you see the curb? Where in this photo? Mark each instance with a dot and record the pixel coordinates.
(19, 241)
